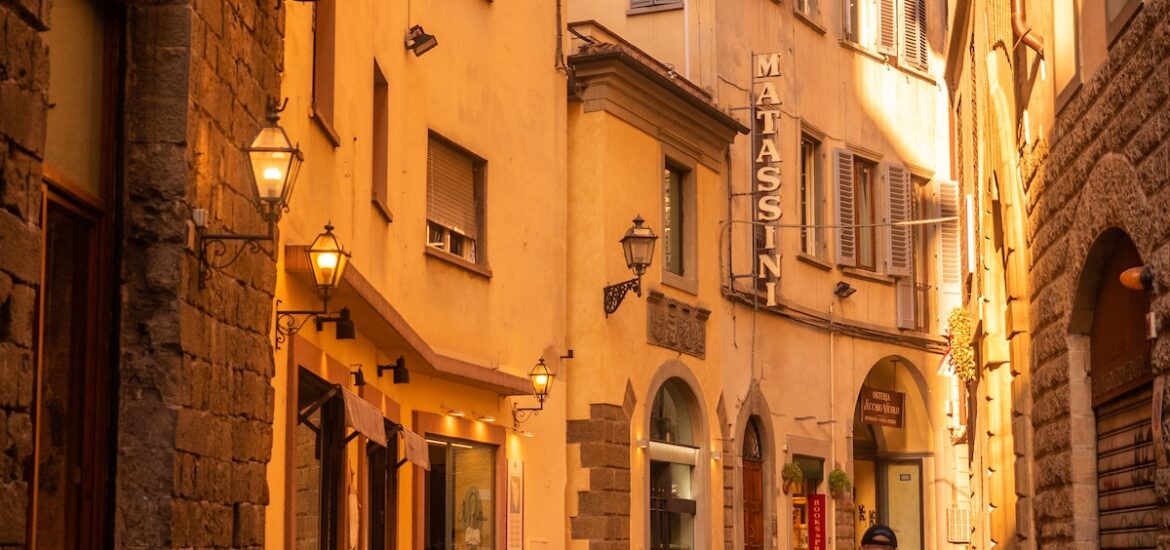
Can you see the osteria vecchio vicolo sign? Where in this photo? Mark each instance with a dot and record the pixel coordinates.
(882, 407)
(766, 167)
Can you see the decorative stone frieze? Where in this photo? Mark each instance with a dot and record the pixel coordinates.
(676, 325)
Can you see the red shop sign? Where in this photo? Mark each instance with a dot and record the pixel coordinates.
(818, 522)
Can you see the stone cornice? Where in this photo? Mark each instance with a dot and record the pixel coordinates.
(619, 80)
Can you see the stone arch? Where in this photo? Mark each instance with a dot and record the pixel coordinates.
(888, 463)
(754, 406)
(678, 375)
(1111, 206)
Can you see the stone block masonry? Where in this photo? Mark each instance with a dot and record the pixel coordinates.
(195, 365)
(24, 81)
(1104, 166)
(603, 511)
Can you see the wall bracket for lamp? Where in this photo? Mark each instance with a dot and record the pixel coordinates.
(287, 323)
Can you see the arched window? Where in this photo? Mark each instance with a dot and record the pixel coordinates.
(752, 449)
(673, 457)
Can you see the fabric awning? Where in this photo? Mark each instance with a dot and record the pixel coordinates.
(415, 449)
(364, 417)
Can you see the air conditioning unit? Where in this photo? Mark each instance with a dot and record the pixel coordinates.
(958, 525)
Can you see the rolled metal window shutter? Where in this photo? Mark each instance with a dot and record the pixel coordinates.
(451, 194)
(1126, 459)
(846, 230)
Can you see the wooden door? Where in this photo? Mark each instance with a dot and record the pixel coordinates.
(753, 505)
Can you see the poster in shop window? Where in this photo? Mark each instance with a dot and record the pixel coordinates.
(818, 522)
(515, 504)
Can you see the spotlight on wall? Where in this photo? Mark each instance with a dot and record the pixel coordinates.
(419, 42)
(401, 375)
(843, 289)
(359, 379)
(1138, 278)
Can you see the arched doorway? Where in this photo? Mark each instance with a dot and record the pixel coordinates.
(675, 485)
(753, 486)
(891, 440)
(1122, 395)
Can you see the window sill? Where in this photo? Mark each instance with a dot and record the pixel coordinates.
(920, 74)
(326, 127)
(808, 20)
(476, 269)
(868, 275)
(814, 261)
(382, 209)
(858, 48)
(685, 284)
(654, 9)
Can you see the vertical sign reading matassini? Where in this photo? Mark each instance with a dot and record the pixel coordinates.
(766, 167)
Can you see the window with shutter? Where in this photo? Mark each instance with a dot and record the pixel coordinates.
(846, 233)
(899, 250)
(888, 26)
(914, 32)
(454, 199)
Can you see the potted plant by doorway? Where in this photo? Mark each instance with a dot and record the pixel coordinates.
(839, 484)
(792, 475)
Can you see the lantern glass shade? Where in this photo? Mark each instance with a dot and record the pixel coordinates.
(327, 260)
(275, 163)
(638, 245)
(542, 379)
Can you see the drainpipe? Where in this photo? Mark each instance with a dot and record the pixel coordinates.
(1023, 32)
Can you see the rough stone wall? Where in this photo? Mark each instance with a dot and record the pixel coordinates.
(1108, 165)
(603, 511)
(195, 396)
(24, 81)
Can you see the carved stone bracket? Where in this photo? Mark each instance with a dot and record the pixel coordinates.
(676, 325)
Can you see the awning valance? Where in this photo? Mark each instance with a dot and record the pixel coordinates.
(363, 417)
(415, 449)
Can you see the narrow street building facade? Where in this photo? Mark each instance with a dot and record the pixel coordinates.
(844, 116)
(120, 119)
(1065, 157)
(404, 414)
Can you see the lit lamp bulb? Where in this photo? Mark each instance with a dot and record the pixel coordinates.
(272, 179)
(326, 263)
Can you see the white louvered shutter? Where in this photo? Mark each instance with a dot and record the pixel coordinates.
(451, 199)
(900, 247)
(888, 27)
(846, 231)
(905, 296)
(950, 250)
(914, 32)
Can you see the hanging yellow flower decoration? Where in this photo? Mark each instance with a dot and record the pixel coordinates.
(962, 354)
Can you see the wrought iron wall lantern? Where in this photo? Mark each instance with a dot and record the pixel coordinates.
(275, 162)
(327, 261)
(638, 246)
(542, 379)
